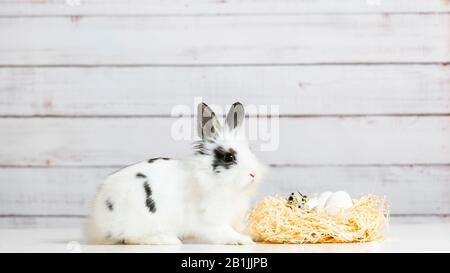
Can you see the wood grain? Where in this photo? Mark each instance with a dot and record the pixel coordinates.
(363, 87)
(298, 90)
(69, 191)
(308, 141)
(30, 221)
(204, 40)
(216, 7)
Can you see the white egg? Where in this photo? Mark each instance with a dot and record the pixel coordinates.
(337, 201)
(312, 203)
(323, 197)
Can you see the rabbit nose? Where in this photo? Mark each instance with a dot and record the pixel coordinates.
(252, 175)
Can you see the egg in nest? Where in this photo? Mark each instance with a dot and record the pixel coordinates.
(296, 199)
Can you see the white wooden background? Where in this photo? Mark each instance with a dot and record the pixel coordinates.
(363, 88)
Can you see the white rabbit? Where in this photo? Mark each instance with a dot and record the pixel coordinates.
(203, 199)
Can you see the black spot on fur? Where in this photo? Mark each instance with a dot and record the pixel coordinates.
(152, 160)
(223, 158)
(147, 189)
(149, 202)
(109, 205)
(141, 175)
(157, 158)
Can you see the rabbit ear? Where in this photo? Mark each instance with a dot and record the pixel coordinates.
(235, 116)
(207, 124)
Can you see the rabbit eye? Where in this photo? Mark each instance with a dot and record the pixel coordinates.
(223, 158)
(228, 158)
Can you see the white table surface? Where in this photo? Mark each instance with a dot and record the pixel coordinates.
(401, 237)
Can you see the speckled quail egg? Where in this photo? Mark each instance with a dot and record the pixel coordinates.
(297, 199)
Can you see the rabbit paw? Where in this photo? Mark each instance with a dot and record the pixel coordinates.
(233, 238)
(160, 239)
(240, 240)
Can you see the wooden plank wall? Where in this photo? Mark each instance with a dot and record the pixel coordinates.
(363, 88)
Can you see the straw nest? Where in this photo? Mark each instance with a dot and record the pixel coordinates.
(273, 220)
